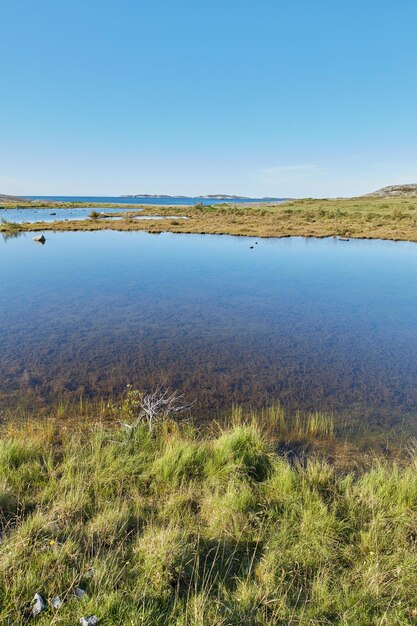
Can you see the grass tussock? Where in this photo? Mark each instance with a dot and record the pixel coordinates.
(9, 227)
(179, 526)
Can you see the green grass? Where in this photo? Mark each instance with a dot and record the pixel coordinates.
(195, 527)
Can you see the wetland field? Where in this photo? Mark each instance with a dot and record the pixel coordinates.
(369, 217)
(322, 324)
(284, 490)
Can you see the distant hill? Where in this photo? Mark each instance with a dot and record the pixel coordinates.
(396, 190)
(219, 196)
(5, 198)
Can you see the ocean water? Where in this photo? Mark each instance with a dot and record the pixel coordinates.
(145, 200)
(48, 214)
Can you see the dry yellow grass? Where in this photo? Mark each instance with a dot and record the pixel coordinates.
(365, 217)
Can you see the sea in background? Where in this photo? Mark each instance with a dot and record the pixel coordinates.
(47, 214)
(155, 200)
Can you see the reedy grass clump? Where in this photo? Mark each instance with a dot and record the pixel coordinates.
(179, 526)
(9, 227)
(274, 420)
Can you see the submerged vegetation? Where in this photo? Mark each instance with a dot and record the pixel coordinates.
(370, 217)
(178, 525)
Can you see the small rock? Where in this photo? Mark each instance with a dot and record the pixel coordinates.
(39, 239)
(39, 604)
(56, 602)
(89, 621)
(79, 592)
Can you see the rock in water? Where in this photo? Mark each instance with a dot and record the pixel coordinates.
(39, 239)
(39, 604)
(89, 621)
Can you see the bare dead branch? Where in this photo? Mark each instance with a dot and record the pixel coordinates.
(155, 406)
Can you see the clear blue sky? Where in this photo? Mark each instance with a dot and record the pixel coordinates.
(294, 98)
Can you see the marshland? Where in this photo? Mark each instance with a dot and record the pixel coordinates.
(208, 403)
(297, 505)
(366, 217)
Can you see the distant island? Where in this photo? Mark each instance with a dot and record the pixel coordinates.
(218, 196)
(388, 213)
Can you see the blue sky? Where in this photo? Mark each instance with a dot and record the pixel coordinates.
(266, 98)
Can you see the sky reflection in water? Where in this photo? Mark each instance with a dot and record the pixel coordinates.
(315, 324)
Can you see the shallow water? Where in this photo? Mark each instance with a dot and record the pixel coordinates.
(31, 216)
(314, 324)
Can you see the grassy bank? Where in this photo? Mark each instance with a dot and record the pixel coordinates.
(188, 527)
(366, 217)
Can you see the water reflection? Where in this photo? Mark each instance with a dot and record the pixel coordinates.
(12, 234)
(315, 324)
